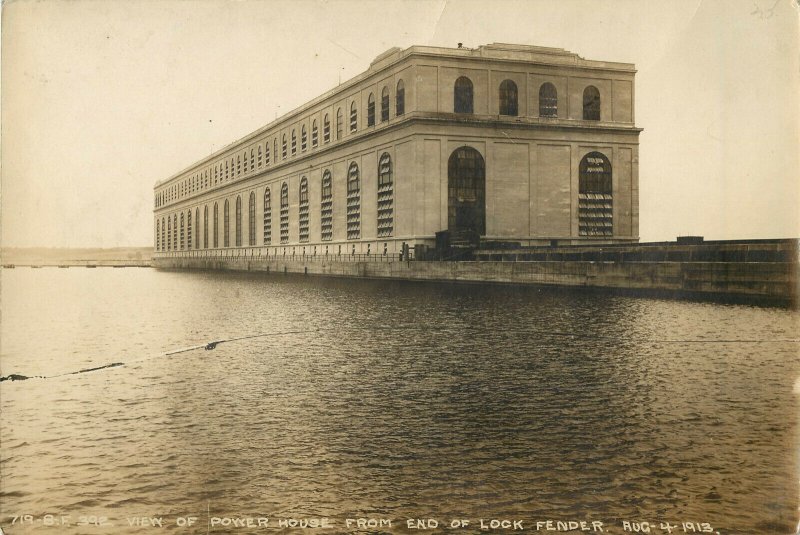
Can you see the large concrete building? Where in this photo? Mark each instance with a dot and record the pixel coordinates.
(513, 143)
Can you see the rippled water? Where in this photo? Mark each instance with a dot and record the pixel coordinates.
(398, 400)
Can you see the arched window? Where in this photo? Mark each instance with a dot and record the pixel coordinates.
(266, 153)
(294, 143)
(251, 219)
(462, 95)
(303, 211)
(163, 245)
(238, 165)
(371, 110)
(353, 117)
(275, 149)
(385, 196)
(158, 235)
(314, 134)
(252, 159)
(508, 98)
(385, 104)
(197, 222)
(267, 217)
(400, 99)
(169, 234)
(595, 203)
(227, 170)
(260, 156)
(284, 147)
(226, 225)
(238, 221)
(216, 226)
(466, 192)
(326, 129)
(175, 232)
(205, 227)
(548, 100)
(183, 236)
(216, 174)
(339, 124)
(591, 104)
(284, 213)
(326, 207)
(353, 203)
(189, 229)
(303, 139)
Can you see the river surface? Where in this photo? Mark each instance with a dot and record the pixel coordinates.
(388, 400)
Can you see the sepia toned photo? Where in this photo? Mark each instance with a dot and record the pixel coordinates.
(402, 266)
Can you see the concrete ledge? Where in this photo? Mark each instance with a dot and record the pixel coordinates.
(768, 282)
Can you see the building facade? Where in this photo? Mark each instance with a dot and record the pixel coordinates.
(514, 143)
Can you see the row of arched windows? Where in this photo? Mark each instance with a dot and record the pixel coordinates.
(169, 238)
(509, 99)
(254, 158)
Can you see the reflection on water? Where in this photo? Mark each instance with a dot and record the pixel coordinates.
(397, 400)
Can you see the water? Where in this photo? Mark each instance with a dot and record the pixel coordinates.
(398, 400)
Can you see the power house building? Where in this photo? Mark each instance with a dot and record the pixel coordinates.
(513, 143)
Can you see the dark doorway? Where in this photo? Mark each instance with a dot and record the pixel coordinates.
(466, 192)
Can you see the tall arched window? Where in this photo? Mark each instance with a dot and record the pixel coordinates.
(339, 125)
(302, 210)
(353, 203)
(400, 99)
(385, 104)
(175, 232)
(326, 129)
(353, 116)
(595, 203)
(251, 219)
(508, 98)
(158, 235)
(314, 134)
(462, 95)
(205, 227)
(252, 159)
(197, 222)
(227, 170)
(239, 164)
(238, 221)
(591, 104)
(371, 110)
(169, 234)
(163, 246)
(189, 229)
(385, 196)
(294, 143)
(548, 100)
(326, 207)
(266, 153)
(283, 147)
(216, 226)
(285, 213)
(275, 149)
(183, 236)
(303, 138)
(466, 192)
(226, 225)
(267, 217)
(260, 156)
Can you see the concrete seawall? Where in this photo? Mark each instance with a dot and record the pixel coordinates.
(767, 282)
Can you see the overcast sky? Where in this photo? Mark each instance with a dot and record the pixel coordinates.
(101, 99)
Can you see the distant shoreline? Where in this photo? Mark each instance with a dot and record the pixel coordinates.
(43, 256)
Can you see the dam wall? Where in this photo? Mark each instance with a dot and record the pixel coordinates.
(771, 279)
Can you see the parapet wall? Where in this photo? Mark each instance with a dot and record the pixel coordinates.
(769, 282)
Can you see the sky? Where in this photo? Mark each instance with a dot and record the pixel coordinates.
(101, 99)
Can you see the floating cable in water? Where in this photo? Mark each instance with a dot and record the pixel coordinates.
(208, 346)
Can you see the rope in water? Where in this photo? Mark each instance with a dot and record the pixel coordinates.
(208, 346)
